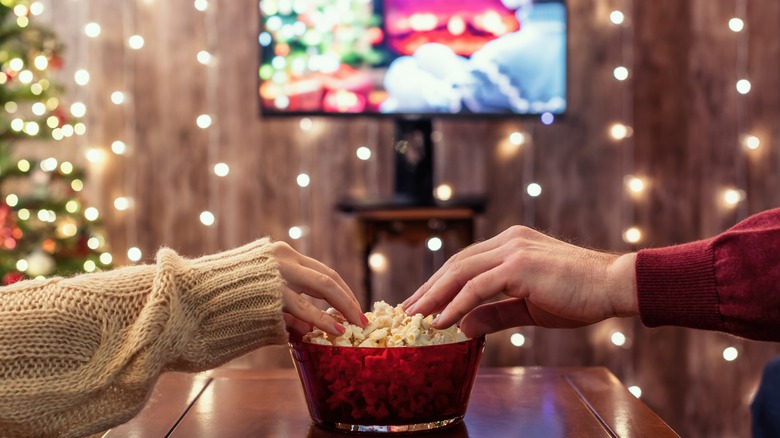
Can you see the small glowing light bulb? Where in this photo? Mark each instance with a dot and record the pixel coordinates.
(135, 42)
(38, 108)
(306, 124)
(92, 30)
(617, 17)
(36, 8)
(732, 196)
(635, 184)
(204, 57)
(122, 203)
(303, 180)
(221, 169)
(41, 62)
(517, 339)
(89, 266)
(203, 121)
(443, 192)
(93, 243)
(619, 131)
(751, 142)
(106, 258)
(134, 254)
(534, 190)
(207, 218)
(81, 77)
(517, 138)
(618, 338)
(632, 235)
(91, 214)
(736, 24)
(743, 86)
(635, 391)
(16, 64)
(295, 233)
(434, 244)
(377, 262)
(363, 153)
(94, 155)
(118, 147)
(730, 354)
(118, 97)
(23, 165)
(620, 73)
(78, 109)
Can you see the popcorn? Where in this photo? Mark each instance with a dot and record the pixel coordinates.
(387, 327)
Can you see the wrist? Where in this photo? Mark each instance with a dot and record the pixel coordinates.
(621, 280)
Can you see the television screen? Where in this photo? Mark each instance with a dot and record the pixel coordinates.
(412, 57)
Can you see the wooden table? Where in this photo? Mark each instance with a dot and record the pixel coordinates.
(505, 402)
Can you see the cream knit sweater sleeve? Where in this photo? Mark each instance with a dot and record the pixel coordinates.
(80, 355)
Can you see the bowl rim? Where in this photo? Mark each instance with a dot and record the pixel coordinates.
(292, 341)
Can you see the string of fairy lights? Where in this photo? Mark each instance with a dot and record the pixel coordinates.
(207, 120)
(122, 147)
(621, 132)
(736, 196)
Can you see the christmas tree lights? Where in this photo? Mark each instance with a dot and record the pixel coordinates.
(44, 228)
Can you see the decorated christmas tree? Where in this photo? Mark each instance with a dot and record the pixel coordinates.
(45, 229)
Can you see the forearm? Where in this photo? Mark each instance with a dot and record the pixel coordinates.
(82, 353)
(729, 283)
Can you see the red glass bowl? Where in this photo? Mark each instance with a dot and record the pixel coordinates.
(392, 390)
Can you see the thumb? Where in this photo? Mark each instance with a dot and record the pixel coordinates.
(493, 317)
(496, 316)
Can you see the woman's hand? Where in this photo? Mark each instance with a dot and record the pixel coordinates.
(304, 275)
(550, 284)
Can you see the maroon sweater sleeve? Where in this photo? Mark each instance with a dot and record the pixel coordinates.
(728, 283)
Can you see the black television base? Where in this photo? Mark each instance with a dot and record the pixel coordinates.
(413, 183)
(413, 146)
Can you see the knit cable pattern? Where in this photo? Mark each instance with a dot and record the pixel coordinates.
(80, 355)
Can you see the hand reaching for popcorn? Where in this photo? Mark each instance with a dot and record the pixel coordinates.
(550, 284)
(304, 275)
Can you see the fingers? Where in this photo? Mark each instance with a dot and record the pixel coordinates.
(461, 257)
(295, 326)
(298, 307)
(323, 285)
(324, 269)
(452, 283)
(494, 317)
(476, 291)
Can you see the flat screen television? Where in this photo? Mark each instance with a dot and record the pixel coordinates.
(413, 60)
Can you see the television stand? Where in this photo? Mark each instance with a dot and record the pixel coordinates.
(402, 202)
(403, 219)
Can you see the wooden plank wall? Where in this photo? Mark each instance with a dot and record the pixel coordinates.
(686, 118)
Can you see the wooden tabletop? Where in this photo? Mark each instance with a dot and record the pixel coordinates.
(505, 402)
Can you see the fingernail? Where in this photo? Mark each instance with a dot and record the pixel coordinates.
(410, 310)
(364, 319)
(340, 329)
